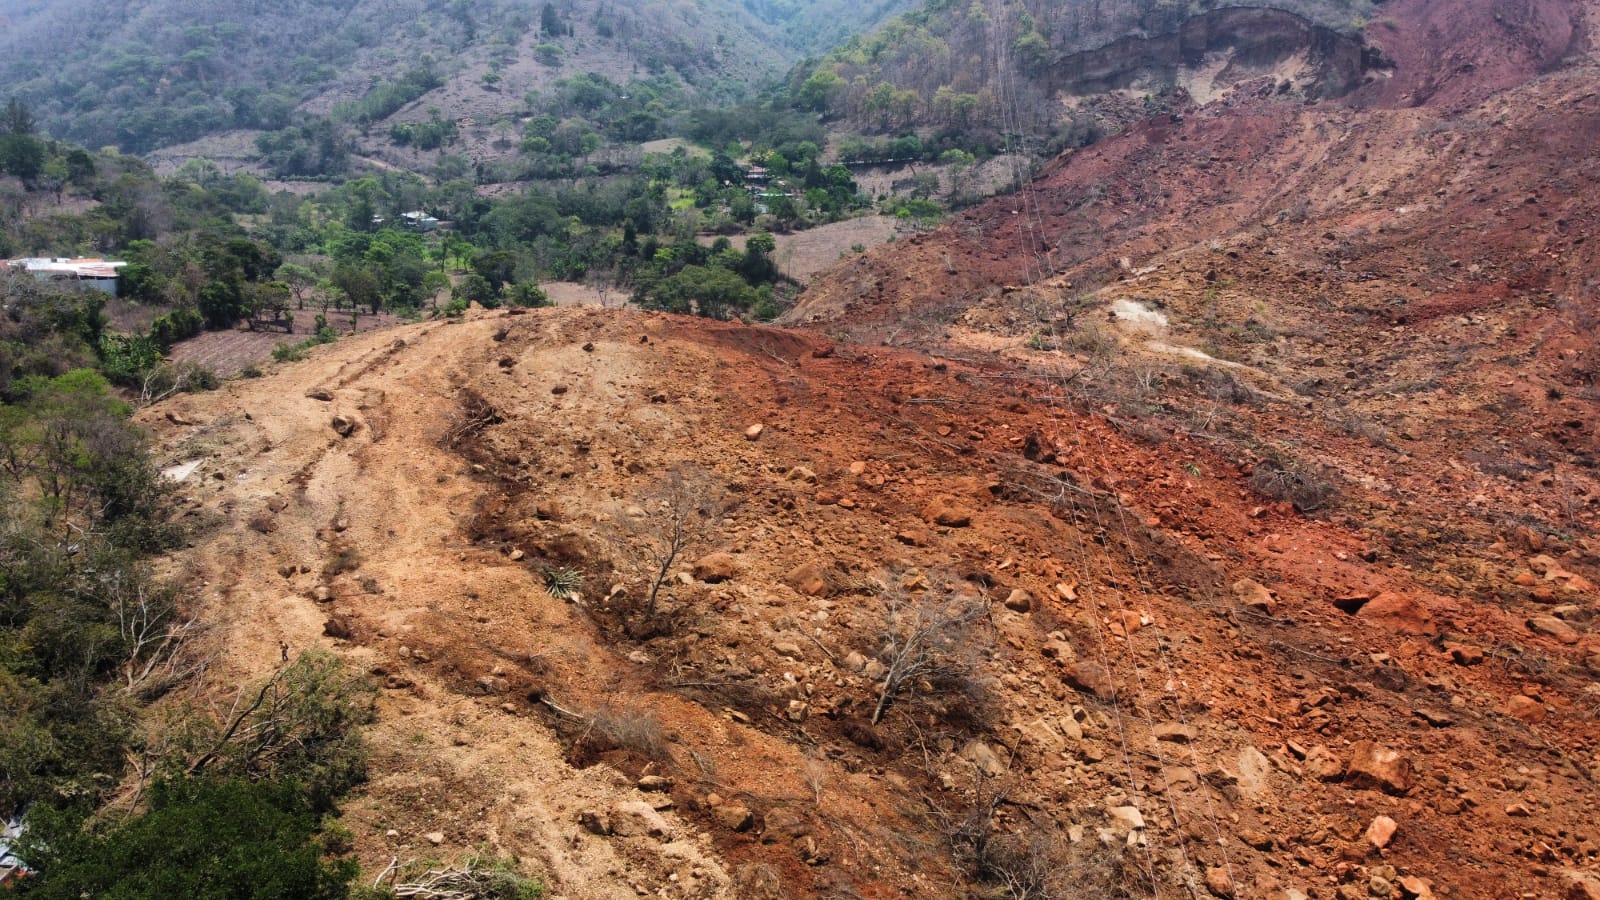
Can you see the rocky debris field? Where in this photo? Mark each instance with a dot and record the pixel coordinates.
(930, 622)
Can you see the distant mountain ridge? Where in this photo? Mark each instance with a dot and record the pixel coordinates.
(155, 73)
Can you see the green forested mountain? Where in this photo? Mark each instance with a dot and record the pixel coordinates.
(155, 73)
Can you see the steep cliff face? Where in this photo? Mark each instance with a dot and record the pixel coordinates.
(1246, 42)
(1024, 65)
(1077, 27)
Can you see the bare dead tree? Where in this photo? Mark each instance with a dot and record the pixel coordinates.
(165, 379)
(678, 512)
(927, 640)
(474, 878)
(156, 636)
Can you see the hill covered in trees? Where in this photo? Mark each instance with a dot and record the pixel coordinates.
(152, 75)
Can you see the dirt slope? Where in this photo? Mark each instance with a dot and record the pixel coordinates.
(1121, 660)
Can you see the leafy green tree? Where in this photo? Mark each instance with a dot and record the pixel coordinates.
(221, 303)
(21, 152)
(359, 285)
(713, 292)
(527, 293)
(820, 90)
(550, 23)
(474, 288)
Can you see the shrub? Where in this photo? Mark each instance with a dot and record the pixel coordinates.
(628, 728)
(302, 724)
(1309, 488)
(200, 838)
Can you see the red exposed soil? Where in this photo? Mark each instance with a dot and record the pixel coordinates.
(1264, 436)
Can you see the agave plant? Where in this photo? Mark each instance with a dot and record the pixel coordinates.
(563, 582)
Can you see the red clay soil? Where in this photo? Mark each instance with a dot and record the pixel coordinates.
(1140, 670)
(1263, 437)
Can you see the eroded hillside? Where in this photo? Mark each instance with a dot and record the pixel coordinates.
(1162, 682)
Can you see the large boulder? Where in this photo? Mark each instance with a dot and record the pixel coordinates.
(715, 568)
(947, 512)
(809, 578)
(1381, 768)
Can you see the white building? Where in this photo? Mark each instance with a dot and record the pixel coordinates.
(417, 220)
(94, 273)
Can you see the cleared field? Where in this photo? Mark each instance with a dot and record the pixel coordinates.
(226, 352)
(804, 254)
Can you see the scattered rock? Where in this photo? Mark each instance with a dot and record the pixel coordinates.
(1219, 881)
(654, 783)
(1550, 626)
(558, 389)
(338, 628)
(733, 817)
(983, 756)
(1525, 708)
(1435, 718)
(1251, 595)
(1412, 886)
(1375, 766)
(344, 426)
(716, 568)
(595, 822)
(809, 578)
(636, 817)
(1464, 654)
(493, 684)
(1086, 676)
(1322, 765)
(1174, 732)
(434, 837)
(1019, 600)
(1255, 773)
(1126, 818)
(1256, 838)
(1580, 885)
(803, 474)
(1126, 623)
(754, 431)
(914, 537)
(1398, 612)
(945, 512)
(855, 662)
(1381, 832)
(588, 347)
(322, 394)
